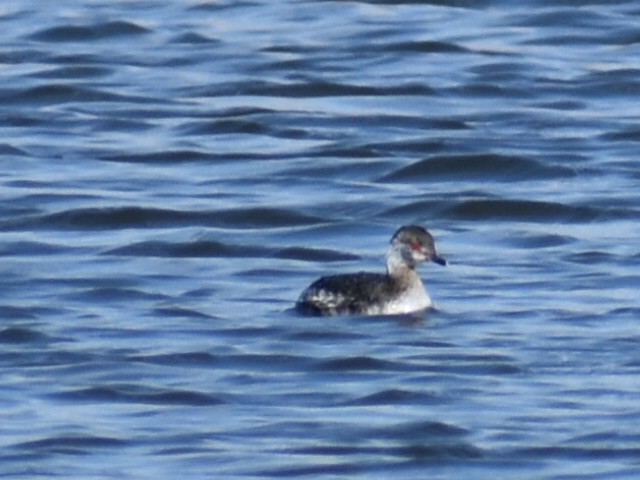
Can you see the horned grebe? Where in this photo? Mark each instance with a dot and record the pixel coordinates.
(398, 291)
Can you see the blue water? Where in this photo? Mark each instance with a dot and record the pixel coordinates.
(173, 174)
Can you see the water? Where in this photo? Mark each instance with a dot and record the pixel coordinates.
(174, 174)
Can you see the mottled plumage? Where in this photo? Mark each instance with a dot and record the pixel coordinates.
(398, 291)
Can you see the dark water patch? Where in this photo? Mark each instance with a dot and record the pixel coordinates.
(71, 444)
(422, 430)
(314, 254)
(21, 335)
(186, 156)
(238, 126)
(121, 124)
(77, 59)
(56, 93)
(217, 7)
(610, 83)
(562, 17)
(192, 249)
(438, 453)
(74, 72)
(322, 164)
(182, 312)
(168, 157)
(249, 332)
(312, 121)
(422, 146)
(137, 394)
(346, 152)
(495, 167)
(562, 105)
(539, 240)
(328, 468)
(46, 358)
(13, 312)
(589, 258)
(113, 294)
(577, 39)
(314, 88)
(371, 459)
(84, 33)
(31, 248)
(628, 312)
(30, 184)
(452, 361)
(579, 453)
(631, 134)
(109, 218)
(325, 335)
(18, 56)
(502, 72)
(269, 362)
(286, 66)
(192, 38)
(625, 36)
(415, 451)
(265, 217)
(358, 363)
(246, 111)
(396, 396)
(603, 438)
(187, 359)
(21, 120)
(198, 249)
(287, 48)
(143, 218)
(490, 90)
(520, 210)
(423, 46)
(259, 362)
(6, 149)
(461, 4)
(430, 344)
(418, 209)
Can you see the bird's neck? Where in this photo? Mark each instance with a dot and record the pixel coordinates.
(397, 263)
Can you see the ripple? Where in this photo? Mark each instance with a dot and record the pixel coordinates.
(424, 46)
(82, 33)
(396, 396)
(494, 166)
(71, 444)
(521, 210)
(312, 88)
(143, 218)
(31, 248)
(6, 149)
(314, 254)
(55, 93)
(199, 249)
(165, 157)
(361, 363)
(21, 335)
(136, 394)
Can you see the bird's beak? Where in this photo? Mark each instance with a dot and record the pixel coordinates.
(439, 260)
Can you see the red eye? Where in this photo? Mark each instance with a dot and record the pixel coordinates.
(416, 246)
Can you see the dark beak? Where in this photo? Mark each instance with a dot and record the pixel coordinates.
(439, 260)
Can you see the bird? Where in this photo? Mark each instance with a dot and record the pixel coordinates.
(398, 291)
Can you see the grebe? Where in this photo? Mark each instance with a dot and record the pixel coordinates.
(398, 291)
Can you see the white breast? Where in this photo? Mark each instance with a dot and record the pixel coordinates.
(412, 300)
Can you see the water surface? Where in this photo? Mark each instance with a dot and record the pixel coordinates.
(173, 175)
